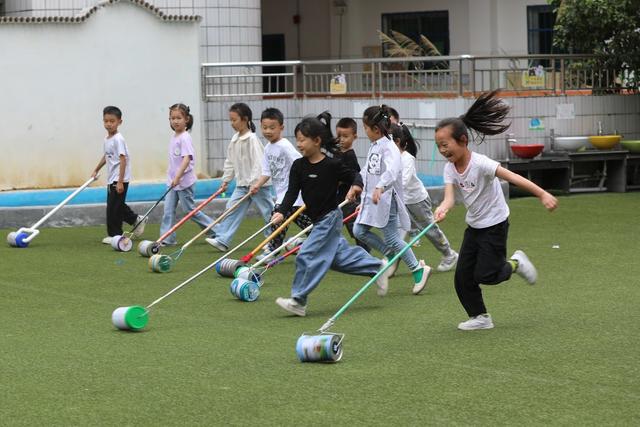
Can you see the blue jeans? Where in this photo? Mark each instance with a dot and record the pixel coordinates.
(185, 197)
(392, 244)
(325, 248)
(263, 199)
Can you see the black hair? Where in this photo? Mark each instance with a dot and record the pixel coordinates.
(377, 116)
(244, 111)
(319, 127)
(114, 111)
(348, 123)
(273, 114)
(394, 113)
(484, 117)
(184, 109)
(402, 134)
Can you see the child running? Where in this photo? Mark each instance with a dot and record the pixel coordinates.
(347, 132)
(279, 155)
(382, 205)
(317, 176)
(116, 157)
(416, 197)
(474, 177)
(181, 175)
(244, 163)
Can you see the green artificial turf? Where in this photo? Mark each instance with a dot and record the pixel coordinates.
(563, 352)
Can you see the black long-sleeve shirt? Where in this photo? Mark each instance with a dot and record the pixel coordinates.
(350, 160)
(318, 183)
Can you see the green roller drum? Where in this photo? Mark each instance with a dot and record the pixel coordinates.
(160, 263)
(132, 318)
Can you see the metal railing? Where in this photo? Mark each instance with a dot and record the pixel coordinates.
(446, 75)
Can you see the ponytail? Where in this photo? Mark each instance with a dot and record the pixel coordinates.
(243, 110)
(378, 116)
(401, 133)
(186, 111)
(320, 127)
(484, 117)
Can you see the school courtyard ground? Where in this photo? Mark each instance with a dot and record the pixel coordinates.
(563, 352)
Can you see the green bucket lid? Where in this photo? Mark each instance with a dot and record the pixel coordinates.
(136, 317)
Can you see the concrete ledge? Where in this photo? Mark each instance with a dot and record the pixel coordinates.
(94, 214)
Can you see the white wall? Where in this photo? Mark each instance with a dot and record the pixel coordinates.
(56, 78)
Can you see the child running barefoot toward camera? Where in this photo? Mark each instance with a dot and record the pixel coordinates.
(474, 177)
(116, 157)
(317, 176)
(416, 197)
(382, 206)
(181, 174)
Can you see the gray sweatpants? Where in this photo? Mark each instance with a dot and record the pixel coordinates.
(421, 217)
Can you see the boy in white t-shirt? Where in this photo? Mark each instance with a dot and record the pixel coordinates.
(279, 155)
(116, 157)
(474, 177)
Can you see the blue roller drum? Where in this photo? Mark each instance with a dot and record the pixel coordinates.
(16, 239)
(319, 348)
(244, 290)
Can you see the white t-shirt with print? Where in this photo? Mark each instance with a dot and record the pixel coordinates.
(277, 161)
(113, 148)
(480, 190)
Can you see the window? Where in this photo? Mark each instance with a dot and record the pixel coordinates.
(433, 25)
(540, 22)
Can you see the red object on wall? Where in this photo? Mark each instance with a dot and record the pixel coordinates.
(296, 19)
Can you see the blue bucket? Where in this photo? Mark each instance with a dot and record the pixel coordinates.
(245, 290)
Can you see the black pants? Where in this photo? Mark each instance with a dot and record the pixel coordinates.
(482, 260)
(117, 210)
(302, 221)
(347, 210)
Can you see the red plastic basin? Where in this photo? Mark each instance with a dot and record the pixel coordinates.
(527, 151)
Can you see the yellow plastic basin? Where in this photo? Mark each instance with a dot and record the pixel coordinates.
(604, 142)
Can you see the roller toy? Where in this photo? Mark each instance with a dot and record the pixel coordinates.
(135, 318)
(124, 242)
(254, 273)
(277, 231)
(325, 346)
(148, 248)
(23, 236)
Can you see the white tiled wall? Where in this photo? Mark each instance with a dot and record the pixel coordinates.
(230, 29)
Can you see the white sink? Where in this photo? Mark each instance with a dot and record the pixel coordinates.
(570, 143)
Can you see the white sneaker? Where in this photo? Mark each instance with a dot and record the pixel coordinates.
(448, 262)
(394, 267)
(292, 243)
(482, 321)
(140, 228)
(525, 268)
(383, 280)
(106, 240)
(420, 277)
(216, 244)
(292, 306)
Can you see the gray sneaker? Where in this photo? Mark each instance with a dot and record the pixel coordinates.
(482, 321)
(525, 268)
(140, 223)
(292, 306)
(217, 244)
(383, 280)
(394, 267)
(448, 262)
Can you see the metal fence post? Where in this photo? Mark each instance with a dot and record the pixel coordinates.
(473, 77)
(294, 71)
(460, 87)
(304, 80)
(562, 76)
